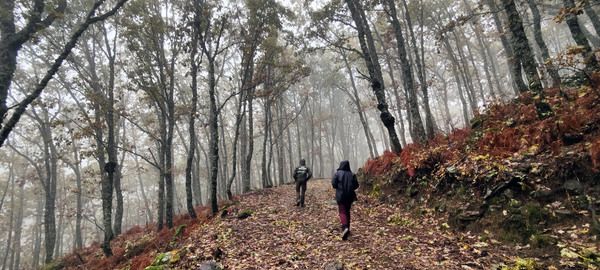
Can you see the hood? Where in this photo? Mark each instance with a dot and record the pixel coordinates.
(344, 166)
(302, 162)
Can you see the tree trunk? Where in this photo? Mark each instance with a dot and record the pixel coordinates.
(372, 62)
(359, 109)
(51, 160)
(16, 249)
(37, 242)
(149, 215)
(482, 48)
(214, 136)
(521, 47)
(239, 116)
(407, 78)
(266, 183)
(463, 102)
(420, 63)
(5, 258)
(192, 130)
(539, 39)
(575, 29)
(511, 60)
(591, 13)
(463, 69)
(78, 239)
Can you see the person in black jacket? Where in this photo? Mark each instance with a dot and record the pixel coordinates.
(301, 175)
(345, 183)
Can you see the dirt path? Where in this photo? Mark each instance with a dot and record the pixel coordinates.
(279, 235)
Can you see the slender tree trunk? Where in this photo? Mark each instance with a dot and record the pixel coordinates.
(162, 171)
(395, 85)
(483, 52)
(5, 258)
(193, 111)
(511, 59)
(50, 189)
(420, 63)
(113, 169)
(37, 242)
(591, 13)
(465, 74)
(239, 116)
(196, 178)
(16, 260)
(372, 62)
(279, 142)
(521, 47)
(264, 172)
(579, 37)
(79, 210)
(539, 39)
(214, 136)
(359, 109)
(149, 215)
(463, 102)
(407, 78)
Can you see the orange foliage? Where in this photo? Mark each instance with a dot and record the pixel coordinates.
(407, 157)
(380, 164)
(142, 261)
(506, 130)
(134, 230)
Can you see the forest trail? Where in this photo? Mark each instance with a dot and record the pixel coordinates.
(279, 235)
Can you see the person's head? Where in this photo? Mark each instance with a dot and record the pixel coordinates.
(302, 162)
(344, 166)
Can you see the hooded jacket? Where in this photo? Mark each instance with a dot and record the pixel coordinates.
(345, 183)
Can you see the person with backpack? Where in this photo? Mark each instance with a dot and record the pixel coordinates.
(345, 183)
(301, 175)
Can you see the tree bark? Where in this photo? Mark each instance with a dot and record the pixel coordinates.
(539, 39)
(511, 60)
(521, 47)
(214, 137)
(193, 111)
(575, 29)
(407, 78)
(7, 252)
(16, 249)
(239, 116)
(591, 13)
(372, 62)
(463, 102)
(420, 63)
(356, 100)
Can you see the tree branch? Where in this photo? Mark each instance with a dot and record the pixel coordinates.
(90, 19)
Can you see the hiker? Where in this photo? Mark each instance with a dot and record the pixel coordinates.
(345, 184)
(301, 175)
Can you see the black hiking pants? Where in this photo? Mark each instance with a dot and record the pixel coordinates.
(300, 192)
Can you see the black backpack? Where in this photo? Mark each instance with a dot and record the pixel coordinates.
(301, 173)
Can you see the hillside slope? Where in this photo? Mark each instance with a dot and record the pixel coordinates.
(533, 180)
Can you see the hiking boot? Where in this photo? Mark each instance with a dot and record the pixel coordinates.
(345, 234)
